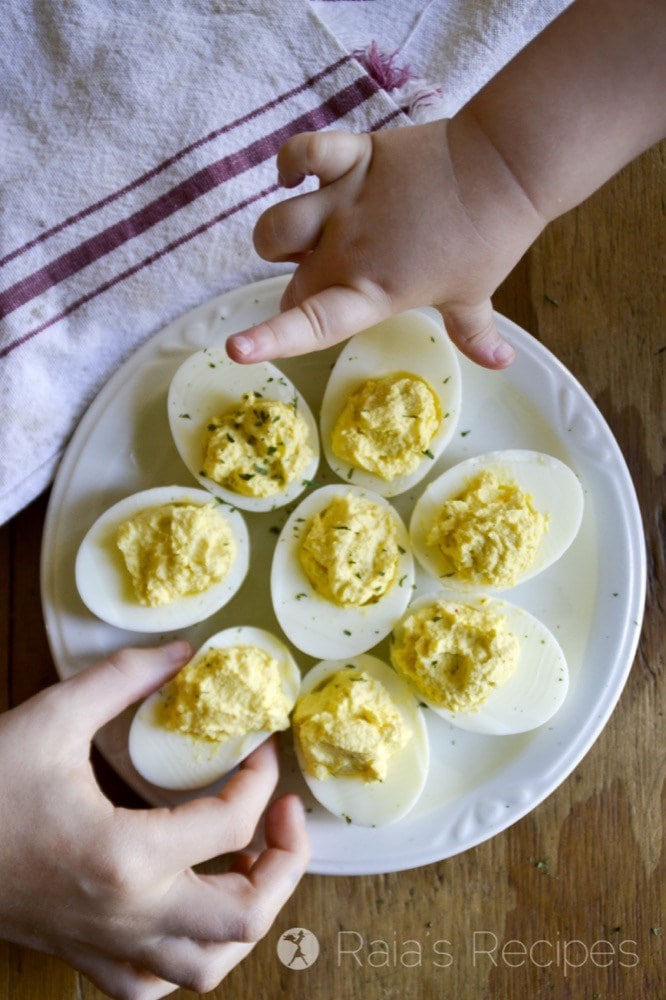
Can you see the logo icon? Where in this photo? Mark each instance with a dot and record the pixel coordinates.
(298, 948)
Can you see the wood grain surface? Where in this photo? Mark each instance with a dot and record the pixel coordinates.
(567, 903)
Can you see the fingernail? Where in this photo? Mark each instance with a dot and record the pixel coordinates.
(178, 651)
(503, 354)
(241, 345)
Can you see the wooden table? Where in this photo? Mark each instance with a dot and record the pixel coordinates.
(587, 865)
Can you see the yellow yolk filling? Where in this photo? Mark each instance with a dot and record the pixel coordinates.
(455, 654)
(224, 693)
(258, 448)
(349, 551)
(387, 425)
(349, 727)
(489, 533)
(175, 549)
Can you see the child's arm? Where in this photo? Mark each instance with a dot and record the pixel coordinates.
(441, 213)
(112, 890)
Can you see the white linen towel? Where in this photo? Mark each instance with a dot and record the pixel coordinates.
(137, 151)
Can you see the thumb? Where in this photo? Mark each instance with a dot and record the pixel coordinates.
(101, 692)
(473, 331)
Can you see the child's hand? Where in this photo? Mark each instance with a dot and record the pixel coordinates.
(422, 215)
(439, 214)
(112, 890)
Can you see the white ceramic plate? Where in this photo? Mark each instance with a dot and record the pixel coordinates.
(592, 599)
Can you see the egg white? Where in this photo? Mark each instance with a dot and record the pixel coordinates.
(554, 488)
(413, 342)
(314, 624)
(374, 803)
(535, 690)
(174, 760)
(208, 384)
(105, 585)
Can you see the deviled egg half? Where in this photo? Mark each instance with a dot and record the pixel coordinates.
(360, 740)
(244, 431)
(496, 520)
(391, 403)
(236, 690)
(484, 664)
(162, 559)
(342, 572)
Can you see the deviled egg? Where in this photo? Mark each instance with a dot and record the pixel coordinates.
(482, 663)
(496, 520)
(391, 403)
(342, 572)
(244, 431)
(162, 559)
(235, 691)
(360, 740)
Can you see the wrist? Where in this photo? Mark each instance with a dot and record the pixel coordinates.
(498, 205)
(578, 103)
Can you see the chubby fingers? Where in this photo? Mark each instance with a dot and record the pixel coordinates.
(241, 906)
(472, 329)
(326, 155)
(291, 228)
(337, 313)
(321, 320)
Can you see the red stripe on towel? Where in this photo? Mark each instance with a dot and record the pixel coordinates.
(109, 199)
(147, 261)
(128, 272)
(183, 194)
